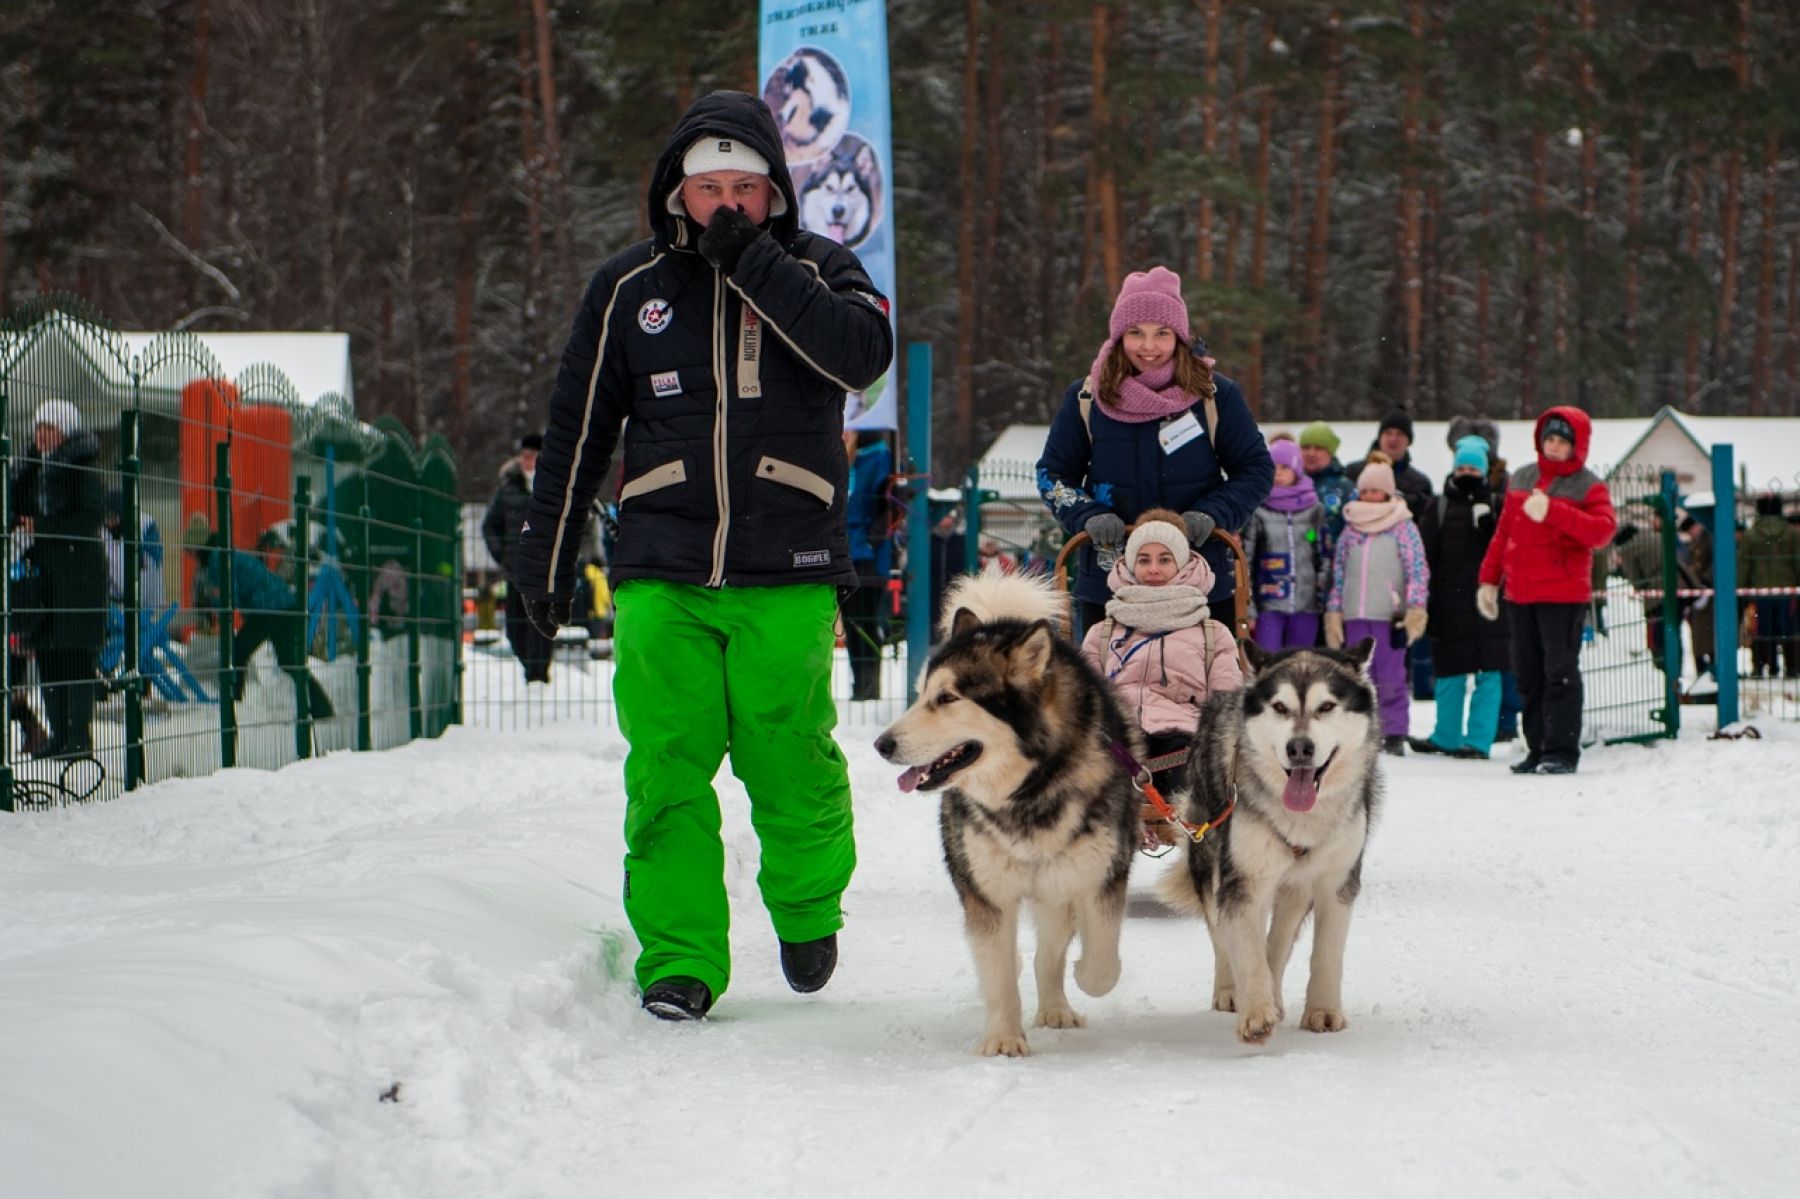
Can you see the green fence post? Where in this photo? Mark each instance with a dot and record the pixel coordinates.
(365, 719)
(130, 472)
(1671, 610)
(6, 533)
(301, 672)
(415, 699)
(228, 671)
(972, 519)
(1725, 596)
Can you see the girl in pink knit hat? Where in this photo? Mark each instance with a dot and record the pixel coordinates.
(1379, 587)
(1151, 426)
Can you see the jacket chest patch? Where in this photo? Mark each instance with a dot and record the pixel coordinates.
(655, 316)
(666, 384)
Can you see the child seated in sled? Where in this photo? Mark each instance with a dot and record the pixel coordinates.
(1158, 646)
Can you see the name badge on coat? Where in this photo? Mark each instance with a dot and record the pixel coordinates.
(1178, 432)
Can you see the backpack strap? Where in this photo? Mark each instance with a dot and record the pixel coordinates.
(1084, 400)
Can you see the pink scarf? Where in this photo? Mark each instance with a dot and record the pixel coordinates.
(1147, 396)
(1367, 516)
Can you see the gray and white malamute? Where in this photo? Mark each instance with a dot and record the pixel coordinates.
(1014, 727)
(1297, 751)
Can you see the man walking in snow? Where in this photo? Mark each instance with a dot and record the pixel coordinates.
(727, 341)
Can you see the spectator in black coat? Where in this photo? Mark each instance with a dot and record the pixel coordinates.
(59, 499)
(1394, 438)
(500, 530)
(1456, 528)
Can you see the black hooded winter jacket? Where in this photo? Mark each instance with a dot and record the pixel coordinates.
(729, 389)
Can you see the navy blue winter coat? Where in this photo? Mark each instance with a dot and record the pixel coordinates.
(1125, 471)
(870, 547)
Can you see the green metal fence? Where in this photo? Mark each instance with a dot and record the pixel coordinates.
(205, 572)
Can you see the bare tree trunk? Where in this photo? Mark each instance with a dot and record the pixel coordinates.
(1793, 324)
(1407, 219)
(193, 173)
(993, 105)
(534, 356)
(1312, 291)
(1104, 150)
(1259, 239)
(1050, 105)
(1761, 360)
(1530, 317)
(1590, 195)
(1634, 206)
(1484, 346)
(463, 323)
(961, 453)
(325, 236)
(557, 185)
(1439, 286)
(1234, 218)
(1209, 134)
(1690, 374)
(1730, 211)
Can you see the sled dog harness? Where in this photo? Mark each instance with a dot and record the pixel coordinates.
(1141, 779)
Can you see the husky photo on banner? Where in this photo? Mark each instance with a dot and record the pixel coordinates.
(824, 66)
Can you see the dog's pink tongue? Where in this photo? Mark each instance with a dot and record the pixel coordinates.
(910, 780)
(1302, 790)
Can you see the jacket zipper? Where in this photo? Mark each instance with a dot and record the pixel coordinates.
(721, 483)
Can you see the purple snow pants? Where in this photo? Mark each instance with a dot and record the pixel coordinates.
(1389, 670)
(1285, 630)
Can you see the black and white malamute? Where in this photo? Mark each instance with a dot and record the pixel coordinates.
(838, 199)
(1297, 750)
(1014, 727)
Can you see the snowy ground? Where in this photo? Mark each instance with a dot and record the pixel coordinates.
(1555, 986)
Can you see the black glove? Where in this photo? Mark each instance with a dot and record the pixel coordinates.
(1199, 527)
(1105, 528)
(548, 614)
(727, 236)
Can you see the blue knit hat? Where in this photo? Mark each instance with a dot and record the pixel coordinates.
(1472, 451)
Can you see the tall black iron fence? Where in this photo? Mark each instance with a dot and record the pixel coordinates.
(204, 571)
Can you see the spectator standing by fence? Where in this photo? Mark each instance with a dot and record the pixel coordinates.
(500, 531)
(1285, 546)
(868, 523)
(1379, 587)
(1468, 653)
(1556, 514)
(1770, 558)
(59, 503)
(1335, 488)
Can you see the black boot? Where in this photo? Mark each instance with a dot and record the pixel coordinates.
(1528, 766)
(1394, 745)
(808, 964)
(677, 998)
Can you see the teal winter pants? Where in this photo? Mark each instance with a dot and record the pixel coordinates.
(701, 672)
(1483, 709)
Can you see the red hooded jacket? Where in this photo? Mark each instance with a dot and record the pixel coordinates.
(1551, 561)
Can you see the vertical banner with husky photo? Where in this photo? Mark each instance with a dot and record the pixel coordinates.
(824, 66)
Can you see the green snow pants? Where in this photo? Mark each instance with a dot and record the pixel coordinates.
(700, 672)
